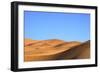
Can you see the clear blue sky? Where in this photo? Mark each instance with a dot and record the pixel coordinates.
(64, 26)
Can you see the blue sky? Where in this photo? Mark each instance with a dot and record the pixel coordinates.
(64, 26)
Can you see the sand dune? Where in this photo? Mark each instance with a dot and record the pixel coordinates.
(85, 50)
(54, 49)
(29, 42)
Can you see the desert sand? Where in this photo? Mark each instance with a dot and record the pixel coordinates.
(55, 49)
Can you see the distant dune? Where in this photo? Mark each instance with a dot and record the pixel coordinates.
(55, 49)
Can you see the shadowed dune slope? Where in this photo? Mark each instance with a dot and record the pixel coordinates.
(85, 50)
